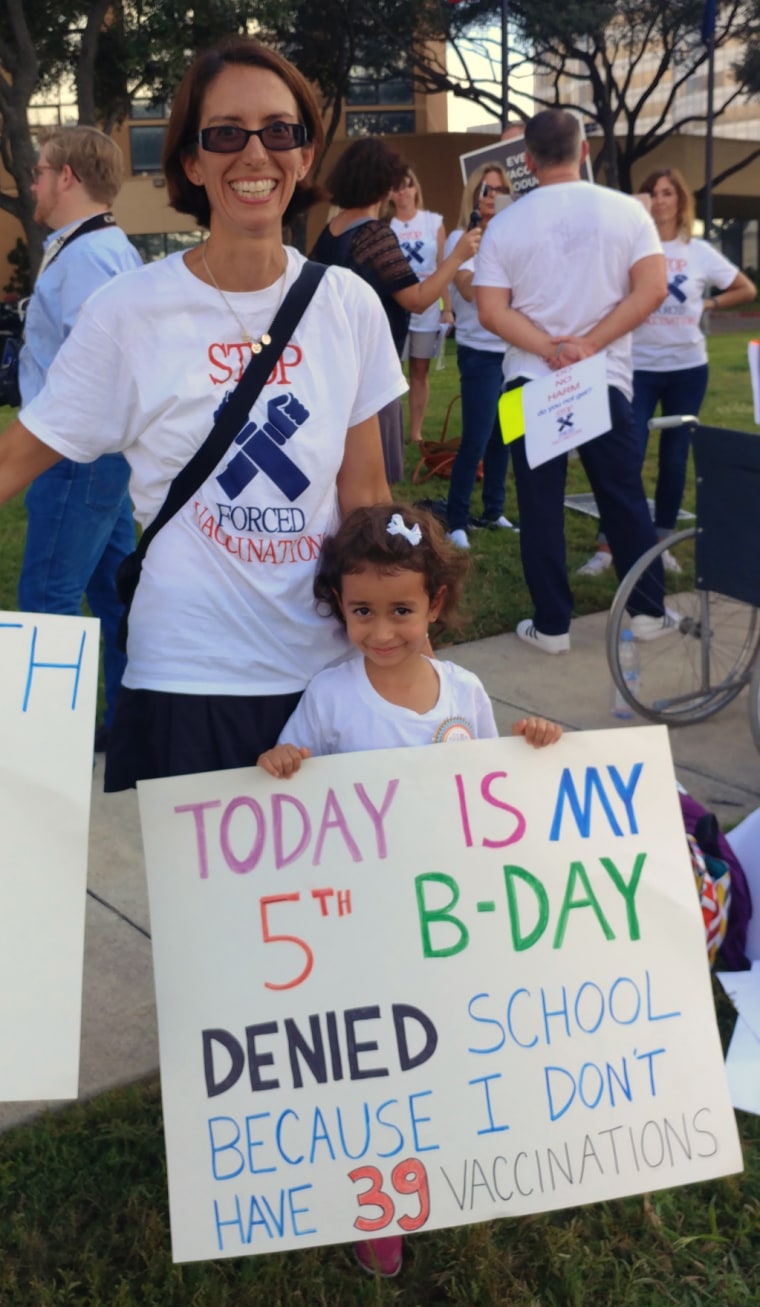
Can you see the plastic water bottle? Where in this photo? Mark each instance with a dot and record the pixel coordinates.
(628, 658)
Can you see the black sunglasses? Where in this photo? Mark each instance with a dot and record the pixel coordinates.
(229, 139)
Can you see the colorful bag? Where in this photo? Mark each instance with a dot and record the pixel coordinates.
(713, 880)
(722, 886)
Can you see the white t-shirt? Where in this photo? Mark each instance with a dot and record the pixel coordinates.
(418, 239)
(565, 252)
(671, 338)
(468, 325)
(341, 712)
(224, 604)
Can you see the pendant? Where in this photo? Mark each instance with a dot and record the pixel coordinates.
(266, 339)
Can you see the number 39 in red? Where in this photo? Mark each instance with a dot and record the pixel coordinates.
(408, 1177)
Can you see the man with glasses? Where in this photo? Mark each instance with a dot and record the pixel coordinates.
(79, 516)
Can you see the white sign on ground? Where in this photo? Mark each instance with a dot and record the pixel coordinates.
(48, 688)
(422, 988)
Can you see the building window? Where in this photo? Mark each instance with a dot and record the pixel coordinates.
(145, 145)
(377, 123)
(143, 107)
(154, 245)
(364, 88)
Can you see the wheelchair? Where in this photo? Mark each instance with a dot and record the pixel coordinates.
(712, 591)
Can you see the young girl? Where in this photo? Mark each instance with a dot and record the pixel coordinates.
(387, 574)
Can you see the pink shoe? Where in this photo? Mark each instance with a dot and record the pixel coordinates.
(380, 1256)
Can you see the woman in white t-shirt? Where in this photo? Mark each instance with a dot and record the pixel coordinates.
(223, 632)
(669, 348)
(421, 235)
(479, 355)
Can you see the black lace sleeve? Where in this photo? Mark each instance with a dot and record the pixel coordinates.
(380, 259)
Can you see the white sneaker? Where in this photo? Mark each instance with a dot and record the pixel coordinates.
(645, 627)
(458, 538)
(494, 523)
(597, 564)
(670, 562)
(551, 644)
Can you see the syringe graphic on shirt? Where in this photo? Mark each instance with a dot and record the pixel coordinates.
(674, 287)
(412, 251)
(261, 451)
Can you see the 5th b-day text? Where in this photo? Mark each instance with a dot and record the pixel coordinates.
(286, 832)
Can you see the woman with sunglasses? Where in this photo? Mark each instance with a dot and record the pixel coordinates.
(479, 356)
(223, 630)
(360, 183)
(421, 235)
(669, 349)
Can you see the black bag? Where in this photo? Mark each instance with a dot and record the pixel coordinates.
(11, 331)
(231, 417)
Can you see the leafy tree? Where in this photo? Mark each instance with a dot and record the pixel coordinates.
(110, 50)
(630, 59)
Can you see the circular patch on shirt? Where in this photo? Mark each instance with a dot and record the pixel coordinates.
(454, 729)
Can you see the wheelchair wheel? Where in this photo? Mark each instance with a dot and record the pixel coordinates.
(754, 703)
(692, 673)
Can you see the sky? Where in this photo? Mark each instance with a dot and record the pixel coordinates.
(462, 113)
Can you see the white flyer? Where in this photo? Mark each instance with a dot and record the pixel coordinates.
(565, 409)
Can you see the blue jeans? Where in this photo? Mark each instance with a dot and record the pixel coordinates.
(613, 467)
(676, 392)
(480, 374)
(79, 528)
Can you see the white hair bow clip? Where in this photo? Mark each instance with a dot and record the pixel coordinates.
(397, 527)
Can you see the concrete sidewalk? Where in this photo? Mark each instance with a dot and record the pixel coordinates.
(715, 761)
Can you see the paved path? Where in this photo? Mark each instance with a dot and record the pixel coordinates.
(715, 761)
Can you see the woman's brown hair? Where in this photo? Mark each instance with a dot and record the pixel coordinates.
(365, 173)
(181, 139)
(685, 209)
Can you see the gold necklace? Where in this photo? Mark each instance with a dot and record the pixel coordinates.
(265, 338)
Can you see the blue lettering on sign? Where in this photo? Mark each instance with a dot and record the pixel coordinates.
(593, 785)
(37, 664)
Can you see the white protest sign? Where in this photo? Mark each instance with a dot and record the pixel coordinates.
(565, 409)
(48, 688)
(419, 988)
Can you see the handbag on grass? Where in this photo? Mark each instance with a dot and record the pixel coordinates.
(229, 422)
(437, 456)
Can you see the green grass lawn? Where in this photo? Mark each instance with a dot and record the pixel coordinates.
(83, 1205)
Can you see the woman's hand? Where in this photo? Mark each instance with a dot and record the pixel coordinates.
(283, 760)
(537, 731)
(468, 244)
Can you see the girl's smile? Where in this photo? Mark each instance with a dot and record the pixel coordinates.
(387, 614)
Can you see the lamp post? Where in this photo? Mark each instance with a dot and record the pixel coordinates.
(504, 64)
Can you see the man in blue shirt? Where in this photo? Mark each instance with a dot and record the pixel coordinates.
(80, 523)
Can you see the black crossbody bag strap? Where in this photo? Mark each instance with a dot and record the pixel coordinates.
(239, 404)
(228, 423)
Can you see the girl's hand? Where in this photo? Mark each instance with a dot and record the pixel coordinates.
(537, 731)
(283, 760)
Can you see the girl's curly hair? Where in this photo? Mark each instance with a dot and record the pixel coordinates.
(363, 541)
